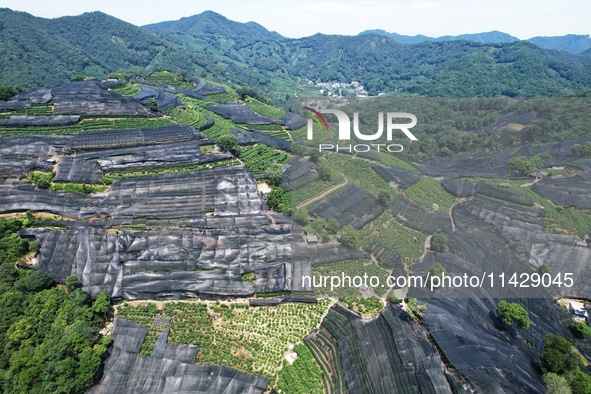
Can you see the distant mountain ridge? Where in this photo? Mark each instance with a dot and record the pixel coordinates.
(571, 43)
(492, 37)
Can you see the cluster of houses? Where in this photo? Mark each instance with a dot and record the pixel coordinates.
(340, 89)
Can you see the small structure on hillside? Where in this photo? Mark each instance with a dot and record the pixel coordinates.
(578, 309)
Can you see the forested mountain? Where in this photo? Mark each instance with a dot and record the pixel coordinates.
(43, 52)
(210, 22)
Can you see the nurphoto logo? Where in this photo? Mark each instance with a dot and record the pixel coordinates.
(392, 124)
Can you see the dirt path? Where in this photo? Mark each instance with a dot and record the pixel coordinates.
(323, 194)
(451, 216)
(427, 247)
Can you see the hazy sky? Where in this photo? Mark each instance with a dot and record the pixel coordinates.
(521, 18)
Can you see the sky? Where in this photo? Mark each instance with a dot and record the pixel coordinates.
(520, 18)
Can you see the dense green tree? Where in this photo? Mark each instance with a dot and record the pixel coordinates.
(301, 216)
(72, 282)
(279, 200)
(559, 356)
(439, 242)
(350, 236)
(153, 104)
(580, 382)
(512, 312)
(333, 226)
(229, 143)
(38, 280)
(524, 165)
(582, 150)
(556, 384)
(100, 306)
(580, 329)
(7, 92)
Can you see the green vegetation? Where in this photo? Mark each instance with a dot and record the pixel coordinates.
(562, 359)
(280, 200)
(248, 277)
(264, 109)
(304, 376)
(82, 188)
(128, 89)
(580, 329)
(7, 92)
(251, 339)
(229, 143)
(191, 116)
(130, 173)
(357, 267)
(41, 180)
(301, 216)
(415, 309)
(194, 115)
(358, 172)
(439, 242)
(314, 188)
(512, 312)
(556, 384)
(92, 124)
(35, 110)
(408, 243)
(429, 193)
(366, 307)
(437, 270)
(582, 150)
(259, 157)
(49, 337)
(170, 79)
(525, 165)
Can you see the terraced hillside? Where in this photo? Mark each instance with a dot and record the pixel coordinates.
(171, 195)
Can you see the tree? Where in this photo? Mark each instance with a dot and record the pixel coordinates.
(72, 282)
(38, 280)
(275, 175)
(439, 242)
(153, 104)
(326, 173)
(350, 236)
(229, 143)
(415, 309)
(556, 384)
(559, 356)
(301, 216)
(582, 150)
(580, 329)
(277, 200)
(510, 312)
(580, 382)
(333, 226)
(100, 306)
(7, 92)
(524, 165)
